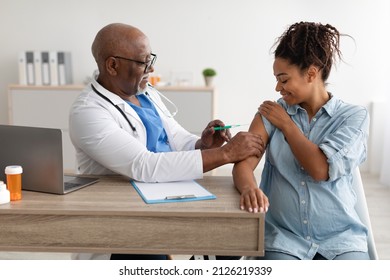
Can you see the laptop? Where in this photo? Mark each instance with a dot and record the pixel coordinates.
(39, 151)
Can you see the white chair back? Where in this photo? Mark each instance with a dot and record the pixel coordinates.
(362, 210)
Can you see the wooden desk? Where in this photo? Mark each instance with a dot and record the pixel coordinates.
(111, 217)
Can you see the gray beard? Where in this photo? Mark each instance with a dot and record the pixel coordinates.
(141, 90)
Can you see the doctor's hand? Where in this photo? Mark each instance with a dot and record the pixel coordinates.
(242, 146)
(211, 138)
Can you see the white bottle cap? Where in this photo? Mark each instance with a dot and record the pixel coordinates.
(4, 193)
(2, 186)
(13, 169)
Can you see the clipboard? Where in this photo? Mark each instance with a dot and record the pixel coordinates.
(180, 191)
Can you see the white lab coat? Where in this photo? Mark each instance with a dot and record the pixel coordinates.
(106, 144)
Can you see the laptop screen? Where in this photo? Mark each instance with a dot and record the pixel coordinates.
(39, 151)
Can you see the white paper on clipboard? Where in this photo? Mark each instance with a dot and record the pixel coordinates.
(179, 191)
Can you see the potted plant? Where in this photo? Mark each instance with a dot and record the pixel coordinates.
(208, 75)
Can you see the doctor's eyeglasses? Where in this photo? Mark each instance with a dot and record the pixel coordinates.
(147, 64)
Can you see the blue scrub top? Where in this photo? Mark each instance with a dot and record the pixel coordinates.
(157, 139)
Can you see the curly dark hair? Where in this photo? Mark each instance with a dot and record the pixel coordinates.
(308, 43)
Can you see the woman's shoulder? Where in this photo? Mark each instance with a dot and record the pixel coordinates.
(355, 114)
(343, 107)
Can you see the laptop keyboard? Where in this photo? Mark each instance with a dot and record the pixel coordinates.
(70, 185)
(71, 182)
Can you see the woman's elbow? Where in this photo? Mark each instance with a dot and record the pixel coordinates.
(320, 174)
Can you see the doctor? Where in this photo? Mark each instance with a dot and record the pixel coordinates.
(119, 124)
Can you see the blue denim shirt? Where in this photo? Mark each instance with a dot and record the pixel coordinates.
(305, 216)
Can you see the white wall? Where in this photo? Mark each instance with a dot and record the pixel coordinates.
(234, 37)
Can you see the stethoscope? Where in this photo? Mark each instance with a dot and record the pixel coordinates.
(165, 111)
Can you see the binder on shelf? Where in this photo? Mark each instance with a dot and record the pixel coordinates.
(53, 67)
(45, 68)
(30, 68)
(64, 68)
(22, 66)
(37, 68)
(180, 191)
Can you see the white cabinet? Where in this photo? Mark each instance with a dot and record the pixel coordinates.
(195, 105)
(48, 106)
(44, 106)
